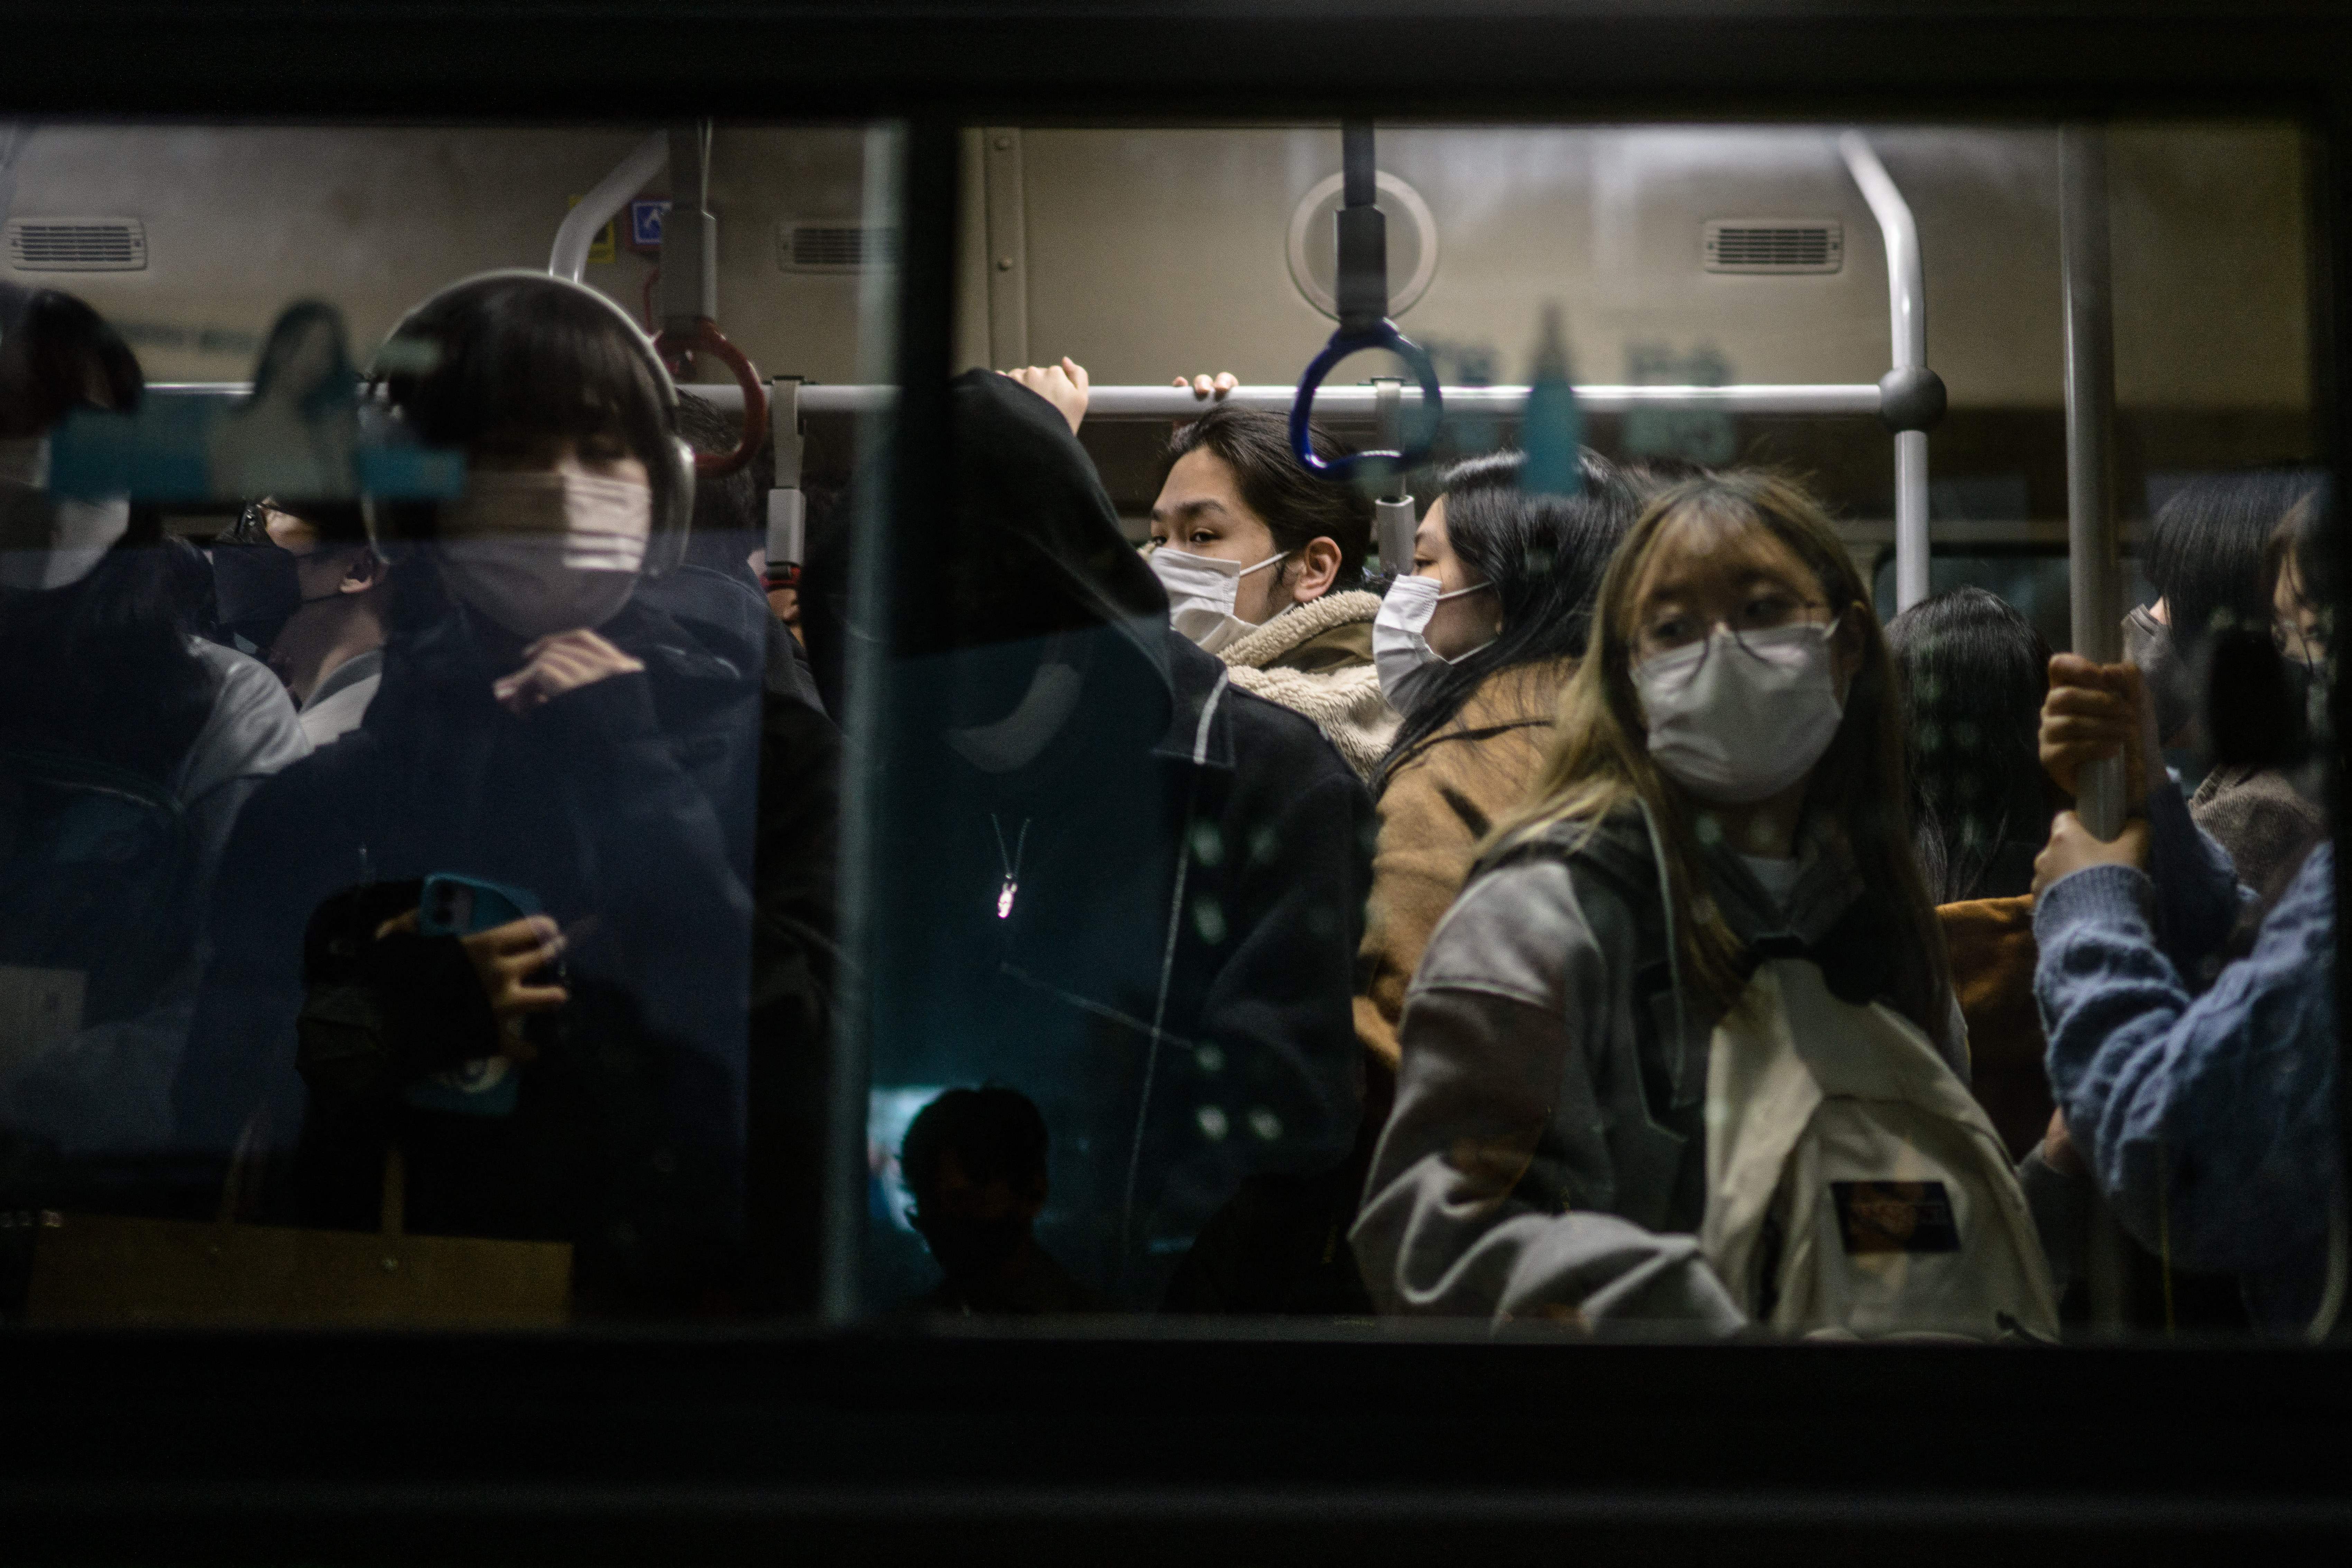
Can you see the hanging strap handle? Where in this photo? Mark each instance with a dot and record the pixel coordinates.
(1362, 296)
(677, 348)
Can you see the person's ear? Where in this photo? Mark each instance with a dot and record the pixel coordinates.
(365, 571)
(1318, 568)
(1029, 1202)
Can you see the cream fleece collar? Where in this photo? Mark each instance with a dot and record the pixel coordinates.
(1297, 624)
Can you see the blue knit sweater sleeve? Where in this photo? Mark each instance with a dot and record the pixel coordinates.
(2209, 1120)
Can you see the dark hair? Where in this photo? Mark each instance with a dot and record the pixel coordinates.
(1542, 555)
(339, 387)
(518, 357)
(338, 522)
(101, 669)
(56, 353)
(1974, 675)
(1294, 505)
(996, 1133)
(2206, 545)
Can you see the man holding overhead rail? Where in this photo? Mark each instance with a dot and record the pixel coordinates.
(1263, 564)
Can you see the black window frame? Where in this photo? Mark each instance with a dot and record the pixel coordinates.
(684, 1442)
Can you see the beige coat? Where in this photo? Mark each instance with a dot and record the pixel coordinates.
(1316, 659)
(1437, 806)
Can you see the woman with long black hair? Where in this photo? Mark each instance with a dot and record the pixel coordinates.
(1511, 575)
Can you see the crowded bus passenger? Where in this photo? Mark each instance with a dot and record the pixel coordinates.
(1604, 1115)
(300, 584)
(498, 930)
(1264, 565)
(1126, 885)
(1234, 503)
(1974, 675)
(2206, 551)
(117, 729)
(1474, 647)
(2208, 1120)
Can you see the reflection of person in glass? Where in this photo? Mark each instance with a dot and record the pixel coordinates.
(1120, 882)
(540, 732)
(110, 712)
(295, 436)
(975, 1166)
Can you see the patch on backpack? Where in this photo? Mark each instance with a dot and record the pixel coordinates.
(1896, 1216)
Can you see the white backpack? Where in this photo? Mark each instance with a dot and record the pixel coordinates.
(1840, 1127)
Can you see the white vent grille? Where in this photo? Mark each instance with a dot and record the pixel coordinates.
(834, 247)
(76, 243)
(1774, 245)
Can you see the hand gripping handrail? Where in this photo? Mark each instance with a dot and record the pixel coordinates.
(1363, 300)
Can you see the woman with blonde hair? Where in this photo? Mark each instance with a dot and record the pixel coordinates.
(1685, 1050)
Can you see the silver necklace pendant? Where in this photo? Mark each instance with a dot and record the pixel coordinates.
(1010, 887)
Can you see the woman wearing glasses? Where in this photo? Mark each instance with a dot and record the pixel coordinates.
(1685, 1051)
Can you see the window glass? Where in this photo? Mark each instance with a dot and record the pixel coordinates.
(417, 894)
(1754, 765)
(1561, 878)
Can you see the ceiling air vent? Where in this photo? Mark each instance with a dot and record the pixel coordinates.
(834, 247)
(1774, 245)
(76, 243)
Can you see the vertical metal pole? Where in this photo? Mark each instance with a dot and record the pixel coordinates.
(906, 336)
(2092, 575)
(1906, 298)
(2093, 581)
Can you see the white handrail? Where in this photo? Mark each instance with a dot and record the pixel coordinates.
(606, 198)
(1907, 306)
(1338, 402)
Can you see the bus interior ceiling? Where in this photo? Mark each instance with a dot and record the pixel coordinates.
(1146, 253)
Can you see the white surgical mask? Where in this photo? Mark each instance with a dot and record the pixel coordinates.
(47, 540)
(1737, 719)
(545, 552)
(1201, 590)
(1400, 652)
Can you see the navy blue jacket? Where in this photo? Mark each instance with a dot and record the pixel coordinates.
(624, 808)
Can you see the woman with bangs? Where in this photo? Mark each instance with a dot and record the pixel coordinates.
(1700, 944)
(572, 1067)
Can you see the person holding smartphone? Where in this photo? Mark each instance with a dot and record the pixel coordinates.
(548, 740)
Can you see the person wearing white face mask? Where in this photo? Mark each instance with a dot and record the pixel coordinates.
(111, 711)
(1264, 565)
(1474, 650)
(538, 730)
(1685, 1050)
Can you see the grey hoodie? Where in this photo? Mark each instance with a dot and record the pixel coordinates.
(1547, 1157)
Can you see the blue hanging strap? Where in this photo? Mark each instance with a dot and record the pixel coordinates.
(1363, 294)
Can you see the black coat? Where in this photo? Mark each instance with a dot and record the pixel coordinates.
(625, 808)
(1171, 982)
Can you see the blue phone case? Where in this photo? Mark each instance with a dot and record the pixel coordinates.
(456, 905)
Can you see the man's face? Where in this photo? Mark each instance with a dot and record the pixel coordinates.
(1200, 512)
